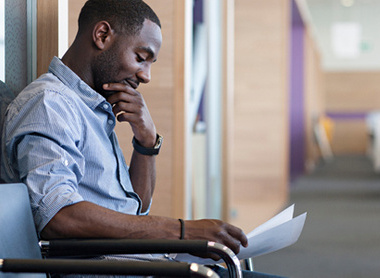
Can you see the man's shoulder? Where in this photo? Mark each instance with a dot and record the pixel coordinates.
(46, 86)
(44, 102)
(46, 82)
(47, 93)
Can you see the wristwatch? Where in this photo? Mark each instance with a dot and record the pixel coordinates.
(148, 151)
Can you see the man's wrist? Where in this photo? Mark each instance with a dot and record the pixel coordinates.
(148, 151)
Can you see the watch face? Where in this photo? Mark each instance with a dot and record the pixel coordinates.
(158, 142)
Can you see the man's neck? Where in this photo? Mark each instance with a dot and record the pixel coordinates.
(79, 62)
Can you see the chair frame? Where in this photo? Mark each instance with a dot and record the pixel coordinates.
(63, 251)
(70, 266)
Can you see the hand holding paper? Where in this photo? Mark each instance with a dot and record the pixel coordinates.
(280, 231)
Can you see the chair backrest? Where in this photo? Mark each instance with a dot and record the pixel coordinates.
(18, 237)
(6, 97)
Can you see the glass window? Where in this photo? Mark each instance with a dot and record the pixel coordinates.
(2, 39)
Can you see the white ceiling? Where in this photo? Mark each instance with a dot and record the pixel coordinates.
(361, 44)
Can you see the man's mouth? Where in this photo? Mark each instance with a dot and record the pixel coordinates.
(133, 84)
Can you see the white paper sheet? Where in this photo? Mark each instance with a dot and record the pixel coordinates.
(280, 231)
(274, 239)
(282, 217)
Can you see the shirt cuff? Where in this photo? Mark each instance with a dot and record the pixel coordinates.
(51, 206)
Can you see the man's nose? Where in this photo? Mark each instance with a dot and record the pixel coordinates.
(144, 75)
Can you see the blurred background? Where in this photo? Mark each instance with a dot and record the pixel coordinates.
(262, 103)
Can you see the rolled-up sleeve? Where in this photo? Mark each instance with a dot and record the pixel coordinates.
(52, 177)
(48, 161)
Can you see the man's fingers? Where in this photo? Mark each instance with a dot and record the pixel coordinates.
(122, 97)
(119, 87)
(128, 105)
(122, 93)
(237, 233)
(232, 243)
(126, 117)
(232, 237)
(218, 231)
(125, 107)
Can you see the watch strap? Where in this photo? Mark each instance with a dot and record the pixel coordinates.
(148, 151)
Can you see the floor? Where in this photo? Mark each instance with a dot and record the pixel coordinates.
(341, 237)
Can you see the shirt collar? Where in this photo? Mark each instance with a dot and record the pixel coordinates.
(71, 80)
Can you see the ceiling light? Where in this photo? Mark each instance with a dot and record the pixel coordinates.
(346, 38)
(347, 3)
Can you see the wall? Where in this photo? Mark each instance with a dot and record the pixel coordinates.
(74, 10)
(349, 96)
(47, 34)
(260, 126)
(314, 98)
(296, 95)
(159, 95)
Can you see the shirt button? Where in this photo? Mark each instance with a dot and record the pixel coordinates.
(105, 106)
(66, 162)
(110, 122)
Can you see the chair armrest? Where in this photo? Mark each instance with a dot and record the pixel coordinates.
(94, 247)
(63, 266)
(228, 256)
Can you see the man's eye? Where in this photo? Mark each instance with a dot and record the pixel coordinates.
(139, 58)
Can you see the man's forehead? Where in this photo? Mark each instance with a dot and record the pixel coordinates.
(151, 31)
(150, 38)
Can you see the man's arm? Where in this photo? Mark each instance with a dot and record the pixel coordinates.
(88, 220)
(142, 171)
(129, 106)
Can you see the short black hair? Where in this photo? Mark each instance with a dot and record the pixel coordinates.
(126, 16)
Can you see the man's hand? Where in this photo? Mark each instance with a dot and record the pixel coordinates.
(129, 106)
(217, 231)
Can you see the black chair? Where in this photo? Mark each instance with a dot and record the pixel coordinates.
(6, 97)
(21, 252)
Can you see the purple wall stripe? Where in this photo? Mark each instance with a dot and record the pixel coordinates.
(296, 95)
(347, 115)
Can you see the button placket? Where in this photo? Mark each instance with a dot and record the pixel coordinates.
(110, 121)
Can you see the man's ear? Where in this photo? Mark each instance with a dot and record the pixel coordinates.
(102, 35)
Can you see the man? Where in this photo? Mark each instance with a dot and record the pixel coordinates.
(60, 138)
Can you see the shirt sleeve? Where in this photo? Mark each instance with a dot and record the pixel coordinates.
(44, 144)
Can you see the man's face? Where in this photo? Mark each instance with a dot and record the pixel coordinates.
(129, 59)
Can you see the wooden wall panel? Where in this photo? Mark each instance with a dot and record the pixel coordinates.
(314, 97)
(351, 93)
(159, 95)
(180, 90)
(350, 137)
(74, 9)
(260, 148)
(47, 33)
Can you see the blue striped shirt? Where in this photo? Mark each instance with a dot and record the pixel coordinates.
(60, 141)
